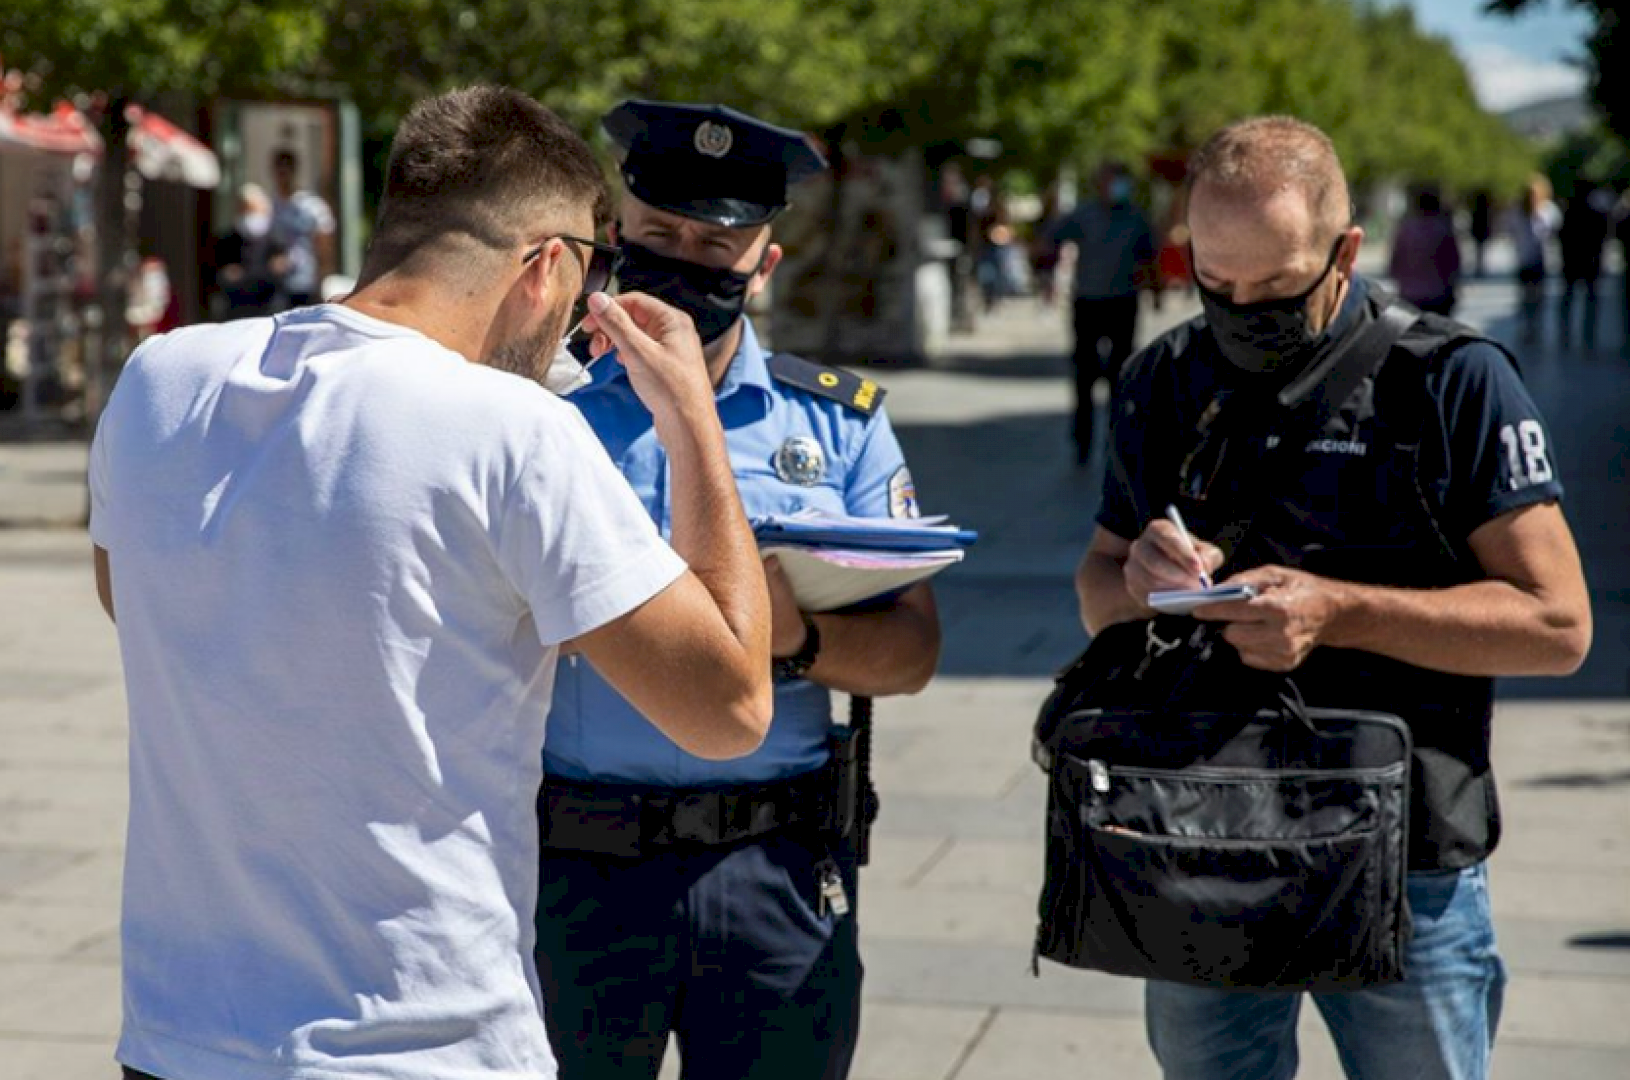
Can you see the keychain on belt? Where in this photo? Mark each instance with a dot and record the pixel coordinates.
(833, 896)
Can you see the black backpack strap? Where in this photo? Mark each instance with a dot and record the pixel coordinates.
(1306, 404)
(1326, 386)
(860, 720)
(1409, 404)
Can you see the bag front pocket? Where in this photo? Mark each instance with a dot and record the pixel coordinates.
(1217, 876)
(1202, 802)
(1238, 912)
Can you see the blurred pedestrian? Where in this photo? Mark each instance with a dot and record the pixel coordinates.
(1043, 252)
(303, 227)
(249, 266)
(1425, 262)
(1621, 229)
(1481, 228)
(956, 199)
(1114, 260)
(1532, 224)
(1586, 223)
(344, 546)
(1000, 273)
(151, 305)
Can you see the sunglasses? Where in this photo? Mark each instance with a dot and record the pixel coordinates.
(598, 270)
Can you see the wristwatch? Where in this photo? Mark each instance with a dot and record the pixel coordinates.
(794, 666)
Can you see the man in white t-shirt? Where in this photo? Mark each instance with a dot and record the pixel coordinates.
(345, 546)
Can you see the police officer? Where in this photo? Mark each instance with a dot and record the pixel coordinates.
(717, 900)
(1405, 551)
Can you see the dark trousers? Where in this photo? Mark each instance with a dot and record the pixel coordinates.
(727, 949)
(1104, 333)
(1564, 309)
(132, 1074)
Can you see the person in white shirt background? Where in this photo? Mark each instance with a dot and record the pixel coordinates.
(303, 228)
(1532, 222)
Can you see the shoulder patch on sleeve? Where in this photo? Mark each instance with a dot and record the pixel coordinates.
(855, 391)
(903, 495)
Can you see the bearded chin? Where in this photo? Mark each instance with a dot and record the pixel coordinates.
(529, 357)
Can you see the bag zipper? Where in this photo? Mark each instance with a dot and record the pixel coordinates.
(1220, 841)
(1100, 775)
(1100, 772)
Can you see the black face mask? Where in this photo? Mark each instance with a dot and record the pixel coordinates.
(714, 299)
(1271, 335)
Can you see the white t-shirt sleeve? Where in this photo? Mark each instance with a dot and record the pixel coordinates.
(574, 538)
(98, 481)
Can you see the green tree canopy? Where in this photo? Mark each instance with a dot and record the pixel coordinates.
(1056, 81)
(141, 48)
(1609, 52)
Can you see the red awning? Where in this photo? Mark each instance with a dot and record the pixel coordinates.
(64, 131)
(163, 151)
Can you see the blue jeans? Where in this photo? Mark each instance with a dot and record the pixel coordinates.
(1437, 1024)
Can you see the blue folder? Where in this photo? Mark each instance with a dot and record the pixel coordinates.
(856, 535)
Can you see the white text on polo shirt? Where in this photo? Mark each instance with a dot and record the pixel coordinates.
(1338, 446)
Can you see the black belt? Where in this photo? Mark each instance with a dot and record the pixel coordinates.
(632, 820)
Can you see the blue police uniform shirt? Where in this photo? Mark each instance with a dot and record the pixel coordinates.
(593, 733)
(1484, 448)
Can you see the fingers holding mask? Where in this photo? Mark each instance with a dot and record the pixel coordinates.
(656, 343)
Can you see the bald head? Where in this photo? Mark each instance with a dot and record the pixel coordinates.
(1270, 223)
(1254, 161)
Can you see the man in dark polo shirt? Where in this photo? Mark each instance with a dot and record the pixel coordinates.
(1404, 555)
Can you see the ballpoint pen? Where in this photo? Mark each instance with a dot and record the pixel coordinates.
(1182, 530)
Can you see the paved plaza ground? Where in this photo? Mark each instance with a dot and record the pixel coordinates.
(948, 906)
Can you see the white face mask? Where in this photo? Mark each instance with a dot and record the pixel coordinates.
(566, 372)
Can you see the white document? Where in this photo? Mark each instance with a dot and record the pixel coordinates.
(1183, 601)
(825, 579)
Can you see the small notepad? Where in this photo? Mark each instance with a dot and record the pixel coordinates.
(1183, 601)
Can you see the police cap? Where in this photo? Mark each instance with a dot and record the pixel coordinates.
(709, 162)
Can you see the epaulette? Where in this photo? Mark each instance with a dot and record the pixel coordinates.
(857, 392)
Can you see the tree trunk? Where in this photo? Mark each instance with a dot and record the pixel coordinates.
(833, 270)
(108, 341)
(112, 259)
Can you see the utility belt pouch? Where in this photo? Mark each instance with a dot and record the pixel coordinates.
(848, 801)
(854, 799)
(576, 817)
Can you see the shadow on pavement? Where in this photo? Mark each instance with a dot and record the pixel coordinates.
(1579, 780)
(1020, 366)
(1600, 941)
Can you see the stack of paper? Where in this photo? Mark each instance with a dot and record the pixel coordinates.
(835, 561)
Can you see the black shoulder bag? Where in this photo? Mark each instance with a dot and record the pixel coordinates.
(1207, 826)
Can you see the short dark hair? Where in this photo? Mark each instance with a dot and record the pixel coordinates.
(285, 159)
(481, 163)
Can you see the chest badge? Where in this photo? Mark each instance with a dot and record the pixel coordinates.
(800, 461)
